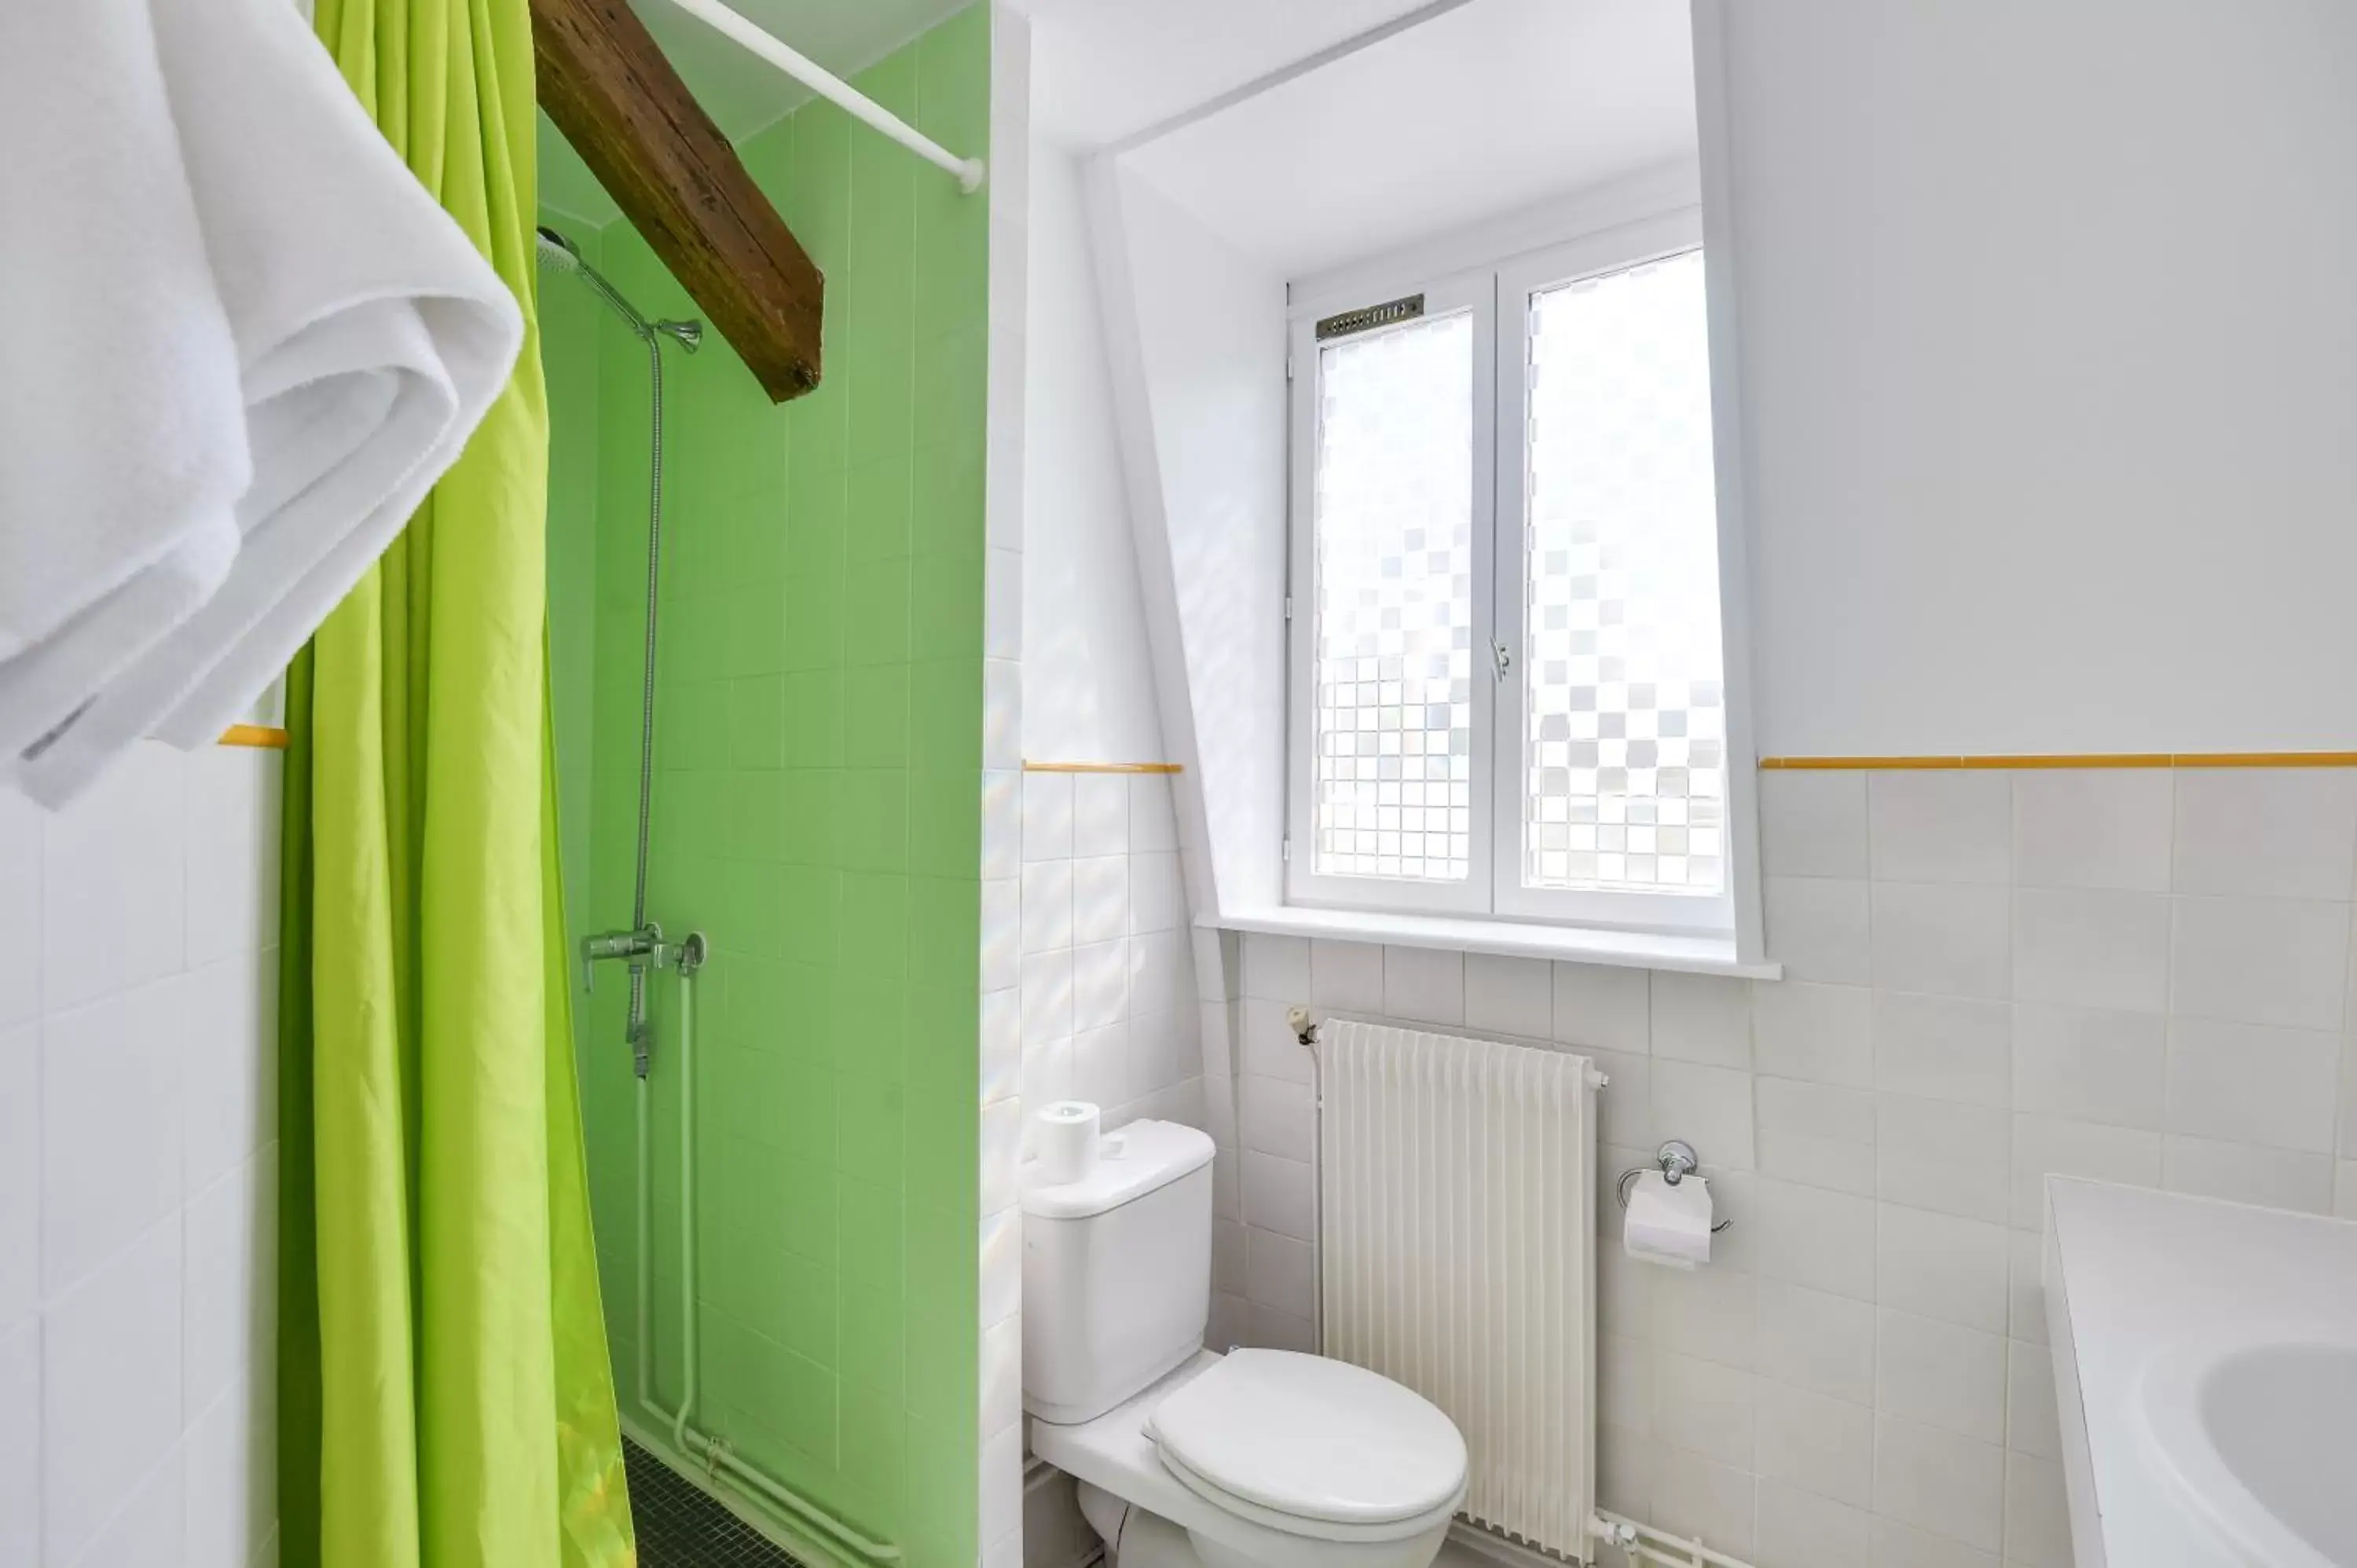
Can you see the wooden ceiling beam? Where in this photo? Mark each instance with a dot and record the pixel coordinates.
(608, 86)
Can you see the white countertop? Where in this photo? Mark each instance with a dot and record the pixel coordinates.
(2130, 1271)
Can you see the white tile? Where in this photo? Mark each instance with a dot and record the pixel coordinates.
(1047, 893)
(1813, 822)
(1815, 1133)
(1002, 603)
(1153, 821)
(2090, 948)
(1822, 1239)
(2026, 1310)
(1508, 995)
(1802, 1530)
(1625, 1109)
(20, 1176)
(232, 1493)
(1002, 819)
(20, 908)
(1709, 1107)
(150, 1531)
(2037, 1513)
(2047, 1146)
(109, 1389)
(2348, 1133)
(1943, 1048)
(1157, 893)
(2344, 1190)
(2033, 1424)
(1273, 1117)
(1002, 1044)
(2247, 1084)
(1002, 724)
(1933, 826)
(1101, 973)
(1100, 897)
(2092, 1065)
(2259, 961)
(1703, 1313)
(1897, 1545)
(1816, 1341)
(1278, 1196)
(115, 863)
(1347, 977)
(1948, 941)
(1938, 1155)
(232, 806)
(1701, 1018)
(20, 1445)
(1423, 985)
(1002, 932)
(1047, 993)
(1276, 969)
(1158, 978)
(1817, 927)
(2247, 1173)
(1101, 1065)
(1100, 813)
(1048, 1077)
(999, 1295)
(1624, 1382)
(1941, 1374)
(1939, 1265)
(1278, 1272)
(1695, 1496)
(1939, 1481)
(1601, 1007)
(1702, 1405)
(112, 1114)
(1624, 1472)
(1164, 1055)
(1823, 1445)
(2267, 833)
(228, 1293)
(1001, 1159)
(2097, 827)
(1821, 1032)
(1231, 1323)
(1046, 816)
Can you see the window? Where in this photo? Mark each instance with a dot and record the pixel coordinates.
(1509, 692)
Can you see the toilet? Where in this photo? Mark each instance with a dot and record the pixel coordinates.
(1185, 1457)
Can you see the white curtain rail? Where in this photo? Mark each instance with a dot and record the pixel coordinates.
(833, 88)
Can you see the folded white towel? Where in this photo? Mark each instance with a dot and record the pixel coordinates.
(371, 338)
(122, 430)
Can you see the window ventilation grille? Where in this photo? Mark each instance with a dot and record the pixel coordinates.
(1389, 314)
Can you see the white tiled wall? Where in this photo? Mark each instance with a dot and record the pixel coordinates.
(138, 987)
(1109, 1009)
(2130, 973)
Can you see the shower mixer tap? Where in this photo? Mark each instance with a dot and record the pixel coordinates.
(633, 947)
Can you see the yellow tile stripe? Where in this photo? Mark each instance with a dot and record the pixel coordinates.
(2086, 759)
(1029, 767)
(254, 734)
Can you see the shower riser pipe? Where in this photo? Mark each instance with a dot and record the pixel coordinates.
(688, 1443)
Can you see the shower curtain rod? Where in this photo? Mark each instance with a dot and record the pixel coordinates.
(833, 88)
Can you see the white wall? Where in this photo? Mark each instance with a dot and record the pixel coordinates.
(1195, 333)
(1088, 689)
(2048, 324)
(138, 1161)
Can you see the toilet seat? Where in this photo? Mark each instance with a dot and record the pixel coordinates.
(1312, 1446)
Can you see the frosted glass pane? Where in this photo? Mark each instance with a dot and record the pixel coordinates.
(1392, 605)
(1624, 754)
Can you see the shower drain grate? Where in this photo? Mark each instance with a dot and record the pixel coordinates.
(681, 1526)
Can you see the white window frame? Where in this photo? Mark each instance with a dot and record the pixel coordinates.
(1474, 292)
(1500, 296)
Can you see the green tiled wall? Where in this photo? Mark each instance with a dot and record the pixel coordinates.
(817, 811)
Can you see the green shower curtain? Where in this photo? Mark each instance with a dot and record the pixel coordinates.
(446, 1400)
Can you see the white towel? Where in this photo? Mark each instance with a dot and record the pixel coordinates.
(122, 430)
(369, 338)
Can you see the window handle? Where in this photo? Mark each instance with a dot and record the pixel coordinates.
(1502, 659)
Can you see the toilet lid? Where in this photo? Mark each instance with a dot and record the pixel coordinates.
(1312, 1438)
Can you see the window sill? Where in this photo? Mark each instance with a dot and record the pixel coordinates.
(1700, 954)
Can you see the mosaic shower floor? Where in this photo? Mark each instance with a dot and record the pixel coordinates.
(681, 1527)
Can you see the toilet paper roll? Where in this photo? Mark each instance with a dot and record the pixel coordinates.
(1668, 1225)
(1065, 1135)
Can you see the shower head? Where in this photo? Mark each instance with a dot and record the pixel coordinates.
(556, 252)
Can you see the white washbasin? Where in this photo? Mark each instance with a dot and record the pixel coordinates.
(2253, 1424)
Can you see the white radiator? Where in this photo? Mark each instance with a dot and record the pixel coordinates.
(1456, 1220)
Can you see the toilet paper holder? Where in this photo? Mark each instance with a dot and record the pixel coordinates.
(1673, 1159)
